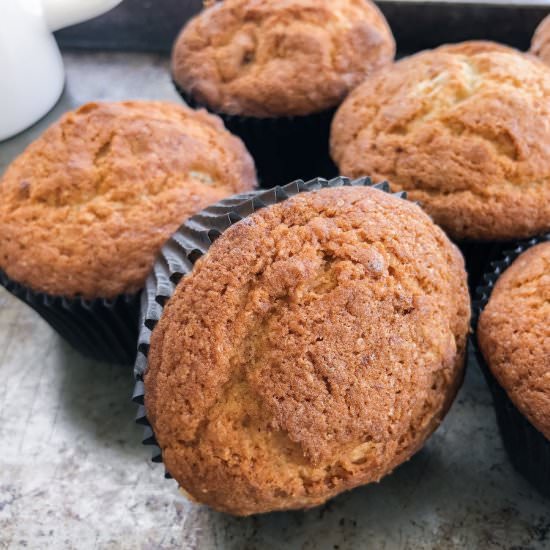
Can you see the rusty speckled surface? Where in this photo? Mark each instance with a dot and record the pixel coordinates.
(74, 475)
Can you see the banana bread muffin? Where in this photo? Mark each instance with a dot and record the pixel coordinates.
(461, 129)
(270, 58)
(87, 206)
(275, 70)
(540, 45)
(514, 335)
(312, 349)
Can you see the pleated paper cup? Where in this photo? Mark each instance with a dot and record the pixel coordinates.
(283, 148)
(105, 330)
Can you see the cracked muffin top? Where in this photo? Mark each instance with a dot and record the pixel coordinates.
(87, 206)
(540, 45)
(464, 129)
(314, 348)
(268, 58)
(514, 334)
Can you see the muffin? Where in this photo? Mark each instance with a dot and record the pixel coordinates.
(514, 337)
(86, 207)
(276, 69)
(314, 346)
(459, 128)
(540, 45)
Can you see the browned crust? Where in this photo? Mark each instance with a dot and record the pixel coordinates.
(87, 206)
(514, 334)
(267, 58)
(540, 45)
(463, 129)
(314, 348)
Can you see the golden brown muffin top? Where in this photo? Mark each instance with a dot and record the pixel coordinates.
(312, 349)
(514, 334)
(87, 206)
(266, 58)
(540, 45)
(464, 129)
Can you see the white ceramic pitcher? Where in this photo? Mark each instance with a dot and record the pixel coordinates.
(31, 68)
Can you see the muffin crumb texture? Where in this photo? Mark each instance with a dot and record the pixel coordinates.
(266, 58)
(464, 129)
(540, 45)
(514, 334)
(313, 349)
(87, 206)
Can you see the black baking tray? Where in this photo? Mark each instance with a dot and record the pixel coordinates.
(152, 25)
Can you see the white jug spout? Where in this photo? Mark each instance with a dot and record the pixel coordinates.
(62, 13)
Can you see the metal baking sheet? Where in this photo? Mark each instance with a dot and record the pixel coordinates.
(416, 25)
(73, 473)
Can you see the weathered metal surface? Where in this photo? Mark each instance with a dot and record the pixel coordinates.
(73, 473)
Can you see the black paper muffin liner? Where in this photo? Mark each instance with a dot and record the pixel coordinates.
(105, 330)
(284, 148)
(478, 256)
(527, 448)
(187, 245)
